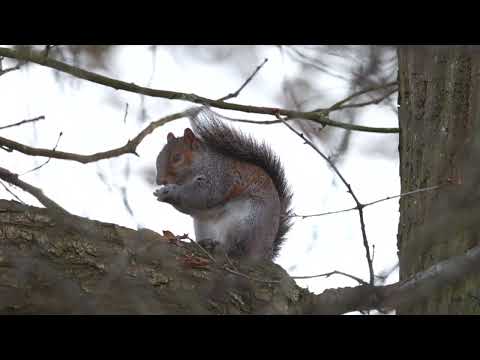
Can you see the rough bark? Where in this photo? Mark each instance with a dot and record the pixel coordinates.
(56, 263)
(51, 262)
(439, 119)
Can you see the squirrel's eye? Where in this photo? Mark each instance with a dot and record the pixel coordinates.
(177, 157)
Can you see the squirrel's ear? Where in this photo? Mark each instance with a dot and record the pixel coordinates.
(191, 139)
(170, 137)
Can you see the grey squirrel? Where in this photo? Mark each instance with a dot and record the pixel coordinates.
(233, 186)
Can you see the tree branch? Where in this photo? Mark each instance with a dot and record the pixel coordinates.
(317, 116)
(414, 289)
(90, 267)
(48, 160)
(23, 122)
(371, 203)
(338, 105)
(11, 193)
(129, 148)
(236, 93)
(36, 192)
(335, 272)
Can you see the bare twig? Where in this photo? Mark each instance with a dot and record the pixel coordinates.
(339, 104)
(315, 63)
(335, 272)
(408, 193)
(322, 214)
(359, 205)
(266, 122)
(232, 271)
(249, 277)
(48, 160)
(371, 102)
(371, 203)
(126, 204)
(36, 192)
(185, 236)
(12, 193)
(320, 117)
(386, 273)
(129, 148)
(236, 93)
(126, 113)
(23, 122)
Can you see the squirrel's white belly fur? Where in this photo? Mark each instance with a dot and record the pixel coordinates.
(216, 224)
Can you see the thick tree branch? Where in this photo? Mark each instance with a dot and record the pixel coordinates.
(63, 264)
(389, 297)
(317, 116)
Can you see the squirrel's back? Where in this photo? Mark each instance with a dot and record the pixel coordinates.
(230, 142)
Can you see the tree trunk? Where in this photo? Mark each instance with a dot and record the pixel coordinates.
(439, 118)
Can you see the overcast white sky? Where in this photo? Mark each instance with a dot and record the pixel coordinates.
(91, 118)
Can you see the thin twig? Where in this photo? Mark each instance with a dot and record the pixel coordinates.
(335, 272)
(230, 262)
(339, 104)
(235, 272)
(236, 93)
(48, 160)
(185, 236)
(23, 122)
(322, 214)
(320, 117)
(36, 192)
(249, 277)
(12, 193)
(129, 148)
(386, 273)
(350, 191)
(126, 113)
(307, 60)
(266, 122)
(408, 193)
(371, 203)
(371, 102)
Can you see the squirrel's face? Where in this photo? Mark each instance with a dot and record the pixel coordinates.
(174, 163)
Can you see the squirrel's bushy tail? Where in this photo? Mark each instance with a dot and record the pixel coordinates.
(207, 125)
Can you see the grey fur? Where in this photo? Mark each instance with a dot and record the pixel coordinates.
(251, 225)
(233, 143)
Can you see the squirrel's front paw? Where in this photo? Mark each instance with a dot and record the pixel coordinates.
(165, 193)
